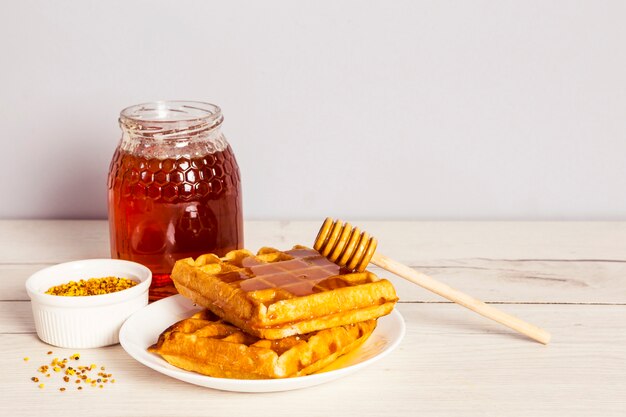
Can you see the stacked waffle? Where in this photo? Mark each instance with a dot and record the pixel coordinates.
(272, 315)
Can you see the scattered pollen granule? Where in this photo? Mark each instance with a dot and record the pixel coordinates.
(79, 374)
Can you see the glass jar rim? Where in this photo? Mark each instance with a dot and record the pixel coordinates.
(173, 119)
(172, 111)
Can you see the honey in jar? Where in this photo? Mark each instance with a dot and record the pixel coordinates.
(174, 188)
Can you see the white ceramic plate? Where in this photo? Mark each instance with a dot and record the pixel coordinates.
(143, 328)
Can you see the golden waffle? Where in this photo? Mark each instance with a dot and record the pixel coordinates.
(277, 294)
(207, 345)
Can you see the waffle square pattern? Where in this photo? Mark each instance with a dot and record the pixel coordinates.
(276, 294)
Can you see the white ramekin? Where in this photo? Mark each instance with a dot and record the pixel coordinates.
(87, 321)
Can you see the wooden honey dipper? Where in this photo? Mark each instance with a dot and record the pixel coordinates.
(350, 248)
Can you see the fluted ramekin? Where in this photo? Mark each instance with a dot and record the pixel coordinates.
(86, 321)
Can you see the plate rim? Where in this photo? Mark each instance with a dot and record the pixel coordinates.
(253, 385)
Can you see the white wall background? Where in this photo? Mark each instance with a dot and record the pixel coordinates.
(358, 109)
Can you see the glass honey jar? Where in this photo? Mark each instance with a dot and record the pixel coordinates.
(174, 188)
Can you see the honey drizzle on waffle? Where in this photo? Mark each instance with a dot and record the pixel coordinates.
(305, 272)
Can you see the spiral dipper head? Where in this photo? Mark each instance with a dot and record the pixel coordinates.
(344, 245)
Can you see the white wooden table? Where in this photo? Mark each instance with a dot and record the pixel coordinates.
(569, 278)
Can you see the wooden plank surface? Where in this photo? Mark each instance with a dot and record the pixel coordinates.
(569, 278)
